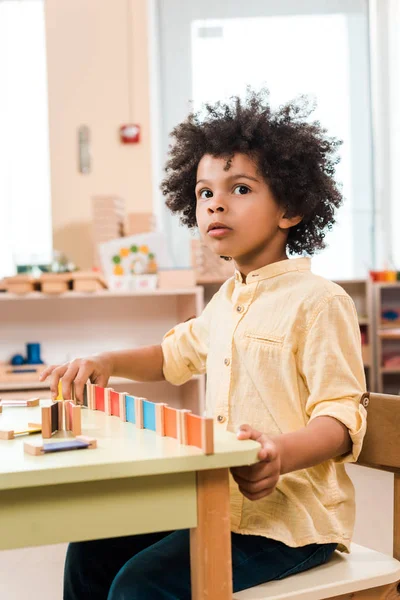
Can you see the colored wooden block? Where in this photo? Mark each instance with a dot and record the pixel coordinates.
(160, 418)
(130, 409)
(86, 393)
(170, 422)
(60, 393)
(139, 412)
(208, 436)
(67, 415)
(91, 396)
(200, 433)
(98, 398)
(195, 431)
(52, 419)
(79, 443)
(122, 406)
(10, 434)
(46, 422)
(73, 417)
(73, 394)
(29, 403)
(76, 420)
(107, 401)
(115, 403)
(182, 426)
(149, 415)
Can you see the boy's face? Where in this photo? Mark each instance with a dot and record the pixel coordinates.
(237, 214)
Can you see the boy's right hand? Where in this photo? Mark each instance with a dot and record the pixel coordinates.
(96, 368)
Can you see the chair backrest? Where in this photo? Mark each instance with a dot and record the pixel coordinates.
(381, 447)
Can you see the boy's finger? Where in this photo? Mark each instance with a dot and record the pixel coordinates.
(245, 432)
(46, 372)
(268, 452)
(56, 375)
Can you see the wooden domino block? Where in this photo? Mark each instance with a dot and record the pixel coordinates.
(59, 391)
(73, 417)
(29, 403)
(33, 402)
(52, 419)
(107, 401)
(122, 406)
(67, 415)
(11, 433)
(207, 439)
(181, 425)
(115, 403)
(98, 398)
(139, 412)
(170, 422)
(160, 418)
(81, 442)
(90, 395)
(76, 425)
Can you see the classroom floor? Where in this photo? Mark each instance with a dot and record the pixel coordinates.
(36, 573)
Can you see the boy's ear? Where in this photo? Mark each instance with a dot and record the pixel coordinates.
(287, 222)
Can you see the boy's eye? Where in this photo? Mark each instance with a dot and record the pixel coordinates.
(206, 194)
(241, 190)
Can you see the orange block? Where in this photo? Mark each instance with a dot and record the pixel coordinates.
(170, 425)
(194, 430)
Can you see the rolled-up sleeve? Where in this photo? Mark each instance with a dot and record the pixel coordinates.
(332, 367)
(185, 347)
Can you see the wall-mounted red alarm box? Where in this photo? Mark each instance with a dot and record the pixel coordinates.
(129, 134)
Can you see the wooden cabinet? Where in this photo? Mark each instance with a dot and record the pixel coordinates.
(77, 324)
(386, 298)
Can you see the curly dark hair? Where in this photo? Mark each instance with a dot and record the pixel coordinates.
(295, 157)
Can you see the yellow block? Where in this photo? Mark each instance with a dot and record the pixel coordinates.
(59, 396)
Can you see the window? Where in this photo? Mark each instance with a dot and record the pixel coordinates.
(25, 205)
(292, 47)
(308, 54)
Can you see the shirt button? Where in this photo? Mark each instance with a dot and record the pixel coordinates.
(220, 419)
(239, 308)
(227, 362)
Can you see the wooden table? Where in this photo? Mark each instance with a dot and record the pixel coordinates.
(134, 482)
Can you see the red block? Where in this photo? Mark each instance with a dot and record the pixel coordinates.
(99, 398)
(114, 401)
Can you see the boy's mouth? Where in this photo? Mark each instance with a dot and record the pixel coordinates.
(218, 229)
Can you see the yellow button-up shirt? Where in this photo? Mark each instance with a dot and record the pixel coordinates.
(279, 350)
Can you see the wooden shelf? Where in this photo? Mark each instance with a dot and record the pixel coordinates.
(44, 385)
(389, 334)
(100, 294)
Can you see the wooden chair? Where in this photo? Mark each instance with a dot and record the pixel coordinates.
(363, 574)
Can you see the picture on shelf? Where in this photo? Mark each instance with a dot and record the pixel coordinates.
(132, 263)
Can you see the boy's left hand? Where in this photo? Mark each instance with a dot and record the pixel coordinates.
(259, 480)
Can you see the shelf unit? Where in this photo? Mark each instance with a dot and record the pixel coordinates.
(386, 296)
(79, 324)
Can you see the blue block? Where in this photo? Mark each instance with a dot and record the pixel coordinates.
(149, 415)
(130, 409)
(63, 446)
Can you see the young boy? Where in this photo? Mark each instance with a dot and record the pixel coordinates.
(281, 348)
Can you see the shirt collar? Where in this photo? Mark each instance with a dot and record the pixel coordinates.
(275, 269)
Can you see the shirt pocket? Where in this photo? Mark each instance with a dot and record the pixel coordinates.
(265, 338)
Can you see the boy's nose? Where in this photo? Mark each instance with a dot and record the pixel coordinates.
(216, 208)
(217, 204)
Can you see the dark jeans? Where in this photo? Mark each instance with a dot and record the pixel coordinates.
(156, 566)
